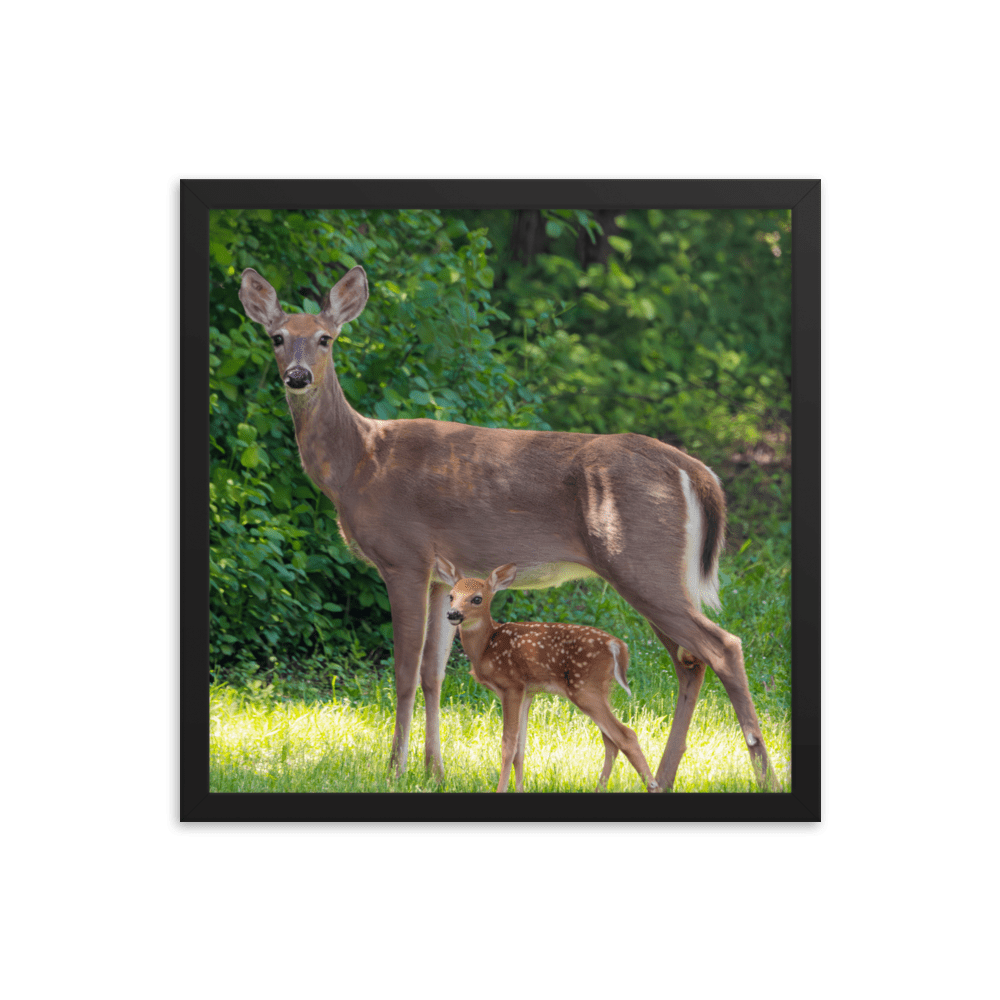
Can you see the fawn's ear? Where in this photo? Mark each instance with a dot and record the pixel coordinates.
(260, 300)
(446, 570)
(502, 577)
(345, 300)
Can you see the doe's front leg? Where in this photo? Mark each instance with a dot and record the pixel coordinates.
(440, 635)
(408, 601)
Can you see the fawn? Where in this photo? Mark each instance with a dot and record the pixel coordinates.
(516, 660)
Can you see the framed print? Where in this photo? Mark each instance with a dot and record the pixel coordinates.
(488, 486)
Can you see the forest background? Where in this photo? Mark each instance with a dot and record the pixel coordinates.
(674, 324)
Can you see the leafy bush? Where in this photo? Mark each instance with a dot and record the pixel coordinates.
(684, 334)
(673, 324)
(285, 592)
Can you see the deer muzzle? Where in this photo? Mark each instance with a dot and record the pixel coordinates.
(456, 617)
(298, 377)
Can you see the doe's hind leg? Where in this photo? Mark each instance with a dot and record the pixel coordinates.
(690, 675)
(706, 642)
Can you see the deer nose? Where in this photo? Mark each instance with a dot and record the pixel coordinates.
(455, 617)
(298, 377)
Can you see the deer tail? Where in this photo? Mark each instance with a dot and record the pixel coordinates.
(706, 534)
(620, 652)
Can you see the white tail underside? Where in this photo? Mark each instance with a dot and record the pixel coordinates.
(701, 589)
(615, 648)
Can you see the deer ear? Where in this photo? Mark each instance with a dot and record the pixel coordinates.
(260, 300)
(345, 300)
(502, 577)
(446, 570)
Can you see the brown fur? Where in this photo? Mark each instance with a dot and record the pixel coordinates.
(556, 504)
(516, 660)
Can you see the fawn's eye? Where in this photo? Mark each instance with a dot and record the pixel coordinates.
(477, 599)
(277, 340)
(451, 600)
(324, 341)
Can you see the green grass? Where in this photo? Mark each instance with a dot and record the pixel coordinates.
(282, 738)
(342, 746)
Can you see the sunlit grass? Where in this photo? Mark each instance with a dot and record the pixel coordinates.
(269, 745)
(262, 740)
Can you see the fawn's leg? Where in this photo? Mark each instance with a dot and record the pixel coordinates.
(511, 702)
(610, 755)
(522, 739)
(594, 705)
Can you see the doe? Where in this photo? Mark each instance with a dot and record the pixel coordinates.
(642, 515)
(516, 660)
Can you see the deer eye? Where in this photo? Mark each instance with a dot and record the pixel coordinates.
(451, 600)
(477, 599)
(277, 340)
(324, 341)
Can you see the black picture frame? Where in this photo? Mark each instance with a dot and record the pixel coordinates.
(198, 198)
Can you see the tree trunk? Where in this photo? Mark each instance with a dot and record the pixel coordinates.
(597, 252)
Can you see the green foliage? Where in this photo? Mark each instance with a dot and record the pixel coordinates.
(673, 324)
(683, 335)
(285, 593)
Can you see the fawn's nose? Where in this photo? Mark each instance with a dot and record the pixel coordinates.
(298, 377)
(455, 617)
